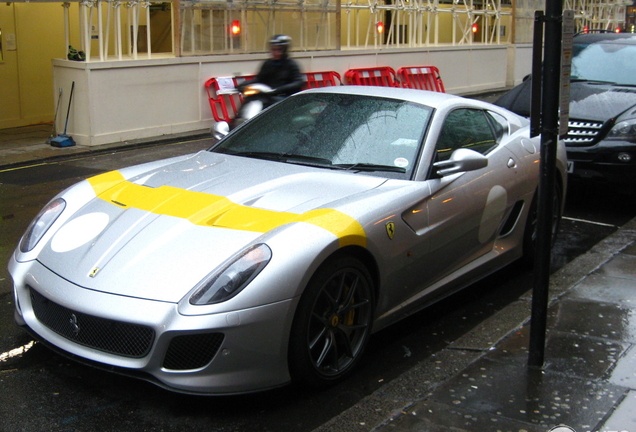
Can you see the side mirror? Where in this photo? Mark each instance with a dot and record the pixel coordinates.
(461, 160)
(220, 129)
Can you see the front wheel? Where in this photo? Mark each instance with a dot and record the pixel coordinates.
(332, 323)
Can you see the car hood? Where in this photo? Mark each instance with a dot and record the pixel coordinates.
(156, 234)
(588, 100)
(599, 102)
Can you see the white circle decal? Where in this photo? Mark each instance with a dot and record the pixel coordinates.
(401, 162)
(493, 213)
(79, 231)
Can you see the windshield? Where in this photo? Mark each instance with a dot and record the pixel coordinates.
(609, 62)
(337, 131)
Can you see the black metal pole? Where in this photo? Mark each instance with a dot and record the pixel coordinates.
(549, 138)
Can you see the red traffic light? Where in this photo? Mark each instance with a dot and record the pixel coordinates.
(235, 28)
(475, 28)
(379, 27)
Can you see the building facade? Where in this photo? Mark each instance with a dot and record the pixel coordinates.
(145, 62)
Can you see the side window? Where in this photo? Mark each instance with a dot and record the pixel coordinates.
(465, 128)
(499, 123)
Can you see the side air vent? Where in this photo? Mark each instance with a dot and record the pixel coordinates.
(512, 219)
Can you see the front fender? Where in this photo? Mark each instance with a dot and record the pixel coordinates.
(297, 249)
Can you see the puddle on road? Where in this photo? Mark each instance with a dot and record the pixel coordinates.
(589, 318)
(621, 266)
(518, 393)
(586, 343)
(565, 353)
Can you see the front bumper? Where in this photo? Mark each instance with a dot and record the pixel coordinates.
(225, 353)
(603, 162)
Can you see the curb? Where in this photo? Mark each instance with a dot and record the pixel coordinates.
(107, 148)
(394, 400)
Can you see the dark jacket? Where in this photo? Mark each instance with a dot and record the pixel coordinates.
(281, 75)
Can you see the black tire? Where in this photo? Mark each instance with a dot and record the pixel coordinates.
(332, 323)
(531, 229)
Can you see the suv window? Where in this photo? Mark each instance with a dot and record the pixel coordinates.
(465, 128)
(610, 62)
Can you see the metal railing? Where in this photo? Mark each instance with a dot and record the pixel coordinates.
(103, 20)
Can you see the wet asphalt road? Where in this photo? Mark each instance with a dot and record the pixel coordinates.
(42, 391)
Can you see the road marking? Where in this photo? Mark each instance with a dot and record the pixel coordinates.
(16, 351)
(23, 167)
(590, 222)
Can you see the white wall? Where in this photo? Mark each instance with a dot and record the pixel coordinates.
(117, 101)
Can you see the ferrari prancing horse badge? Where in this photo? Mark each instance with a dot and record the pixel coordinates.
(390, 229)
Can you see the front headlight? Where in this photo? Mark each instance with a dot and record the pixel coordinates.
(624, 130)
(40, 225)
(225, 283)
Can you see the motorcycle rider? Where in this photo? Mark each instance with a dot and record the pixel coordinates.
(279, 72)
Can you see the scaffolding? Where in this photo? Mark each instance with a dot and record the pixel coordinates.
(598, 14)
(110, 29)
(421, 23)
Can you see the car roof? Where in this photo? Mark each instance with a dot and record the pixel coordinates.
(424, 97)
(609, 37)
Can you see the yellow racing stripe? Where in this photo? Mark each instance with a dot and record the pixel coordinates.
(217, 211)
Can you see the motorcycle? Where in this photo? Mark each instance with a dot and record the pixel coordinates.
(256, 97)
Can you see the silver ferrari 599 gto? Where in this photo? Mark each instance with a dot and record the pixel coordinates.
(273, 256)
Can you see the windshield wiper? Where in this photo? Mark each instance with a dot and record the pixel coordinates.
(289, 158)
(307, 160)
(592, 81)
(259, 155)
(371, 167)
(624, 85)
(317, 161)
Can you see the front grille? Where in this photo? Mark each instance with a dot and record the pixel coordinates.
(192, 351)
(116, 337)
(582, 133)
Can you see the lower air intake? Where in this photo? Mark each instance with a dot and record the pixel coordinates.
(192, 351)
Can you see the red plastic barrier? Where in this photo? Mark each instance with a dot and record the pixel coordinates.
(421, 77)
(225, 101)
(321, 79)
(383, 76)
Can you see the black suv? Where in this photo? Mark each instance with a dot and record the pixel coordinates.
(601, 140)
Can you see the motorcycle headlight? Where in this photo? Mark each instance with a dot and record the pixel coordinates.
(227, 282)
(624, 130)
(250, 91)
(41, 224)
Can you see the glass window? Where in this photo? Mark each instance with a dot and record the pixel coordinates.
(499, 123)
(341, 131)
(611, 62)
(465, 128)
